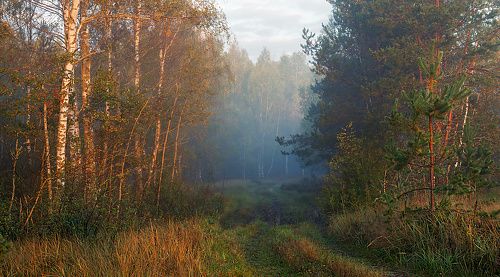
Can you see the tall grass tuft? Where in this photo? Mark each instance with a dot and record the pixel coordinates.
(442, 243)
(175, 249)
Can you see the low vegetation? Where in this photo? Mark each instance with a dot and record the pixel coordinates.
(186, 248)
(444, 243)
(197, 246)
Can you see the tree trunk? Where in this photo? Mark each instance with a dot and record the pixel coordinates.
(274, 148)
(74, 143)
(137, 43)
(432, 178)
(137, 80)
(156, 146)
(70, 13)
(47, 151)
(127, 147)
(176, 147)
(432, 158)
(109, 45)
(165, 144)
(28, 123)
(28, 87)
(88, 135)
(15, 157)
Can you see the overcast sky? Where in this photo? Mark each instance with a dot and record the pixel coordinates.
(274, 24)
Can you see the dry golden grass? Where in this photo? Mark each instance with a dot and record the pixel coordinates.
(171, 250)
(449, 243)
(305, 256)
(367, 224)
(299, 252)
(487, 200)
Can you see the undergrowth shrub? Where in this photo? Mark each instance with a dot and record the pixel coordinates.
(354, 174)
(76, 218)
(181, 201)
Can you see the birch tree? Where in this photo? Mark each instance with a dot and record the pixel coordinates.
(70, 10)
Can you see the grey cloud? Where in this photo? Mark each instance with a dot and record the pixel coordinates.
(274, 24)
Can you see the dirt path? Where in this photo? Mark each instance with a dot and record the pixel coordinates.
(278, 226)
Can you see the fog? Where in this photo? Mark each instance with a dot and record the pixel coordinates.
(263, 101)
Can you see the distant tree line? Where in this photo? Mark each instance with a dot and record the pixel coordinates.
(264, 101)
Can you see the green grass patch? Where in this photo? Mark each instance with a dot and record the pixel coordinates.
(295, 250)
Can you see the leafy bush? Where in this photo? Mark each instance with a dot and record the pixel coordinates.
(354, 177)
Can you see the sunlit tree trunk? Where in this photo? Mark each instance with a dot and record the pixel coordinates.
(464, 122)
(432, 158)
(137, 44)
(121, 176)
(109, 50)
(176, 145)
(47, 151)
(137, 80)
(88, 135)
(156, 146)
(164, 150)
(74, 143)
(28, 123)
(28, 87)
(70, 12)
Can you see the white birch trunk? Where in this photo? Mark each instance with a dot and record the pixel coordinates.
(137, 80)
(88, 134)
(70, 13)
(47, 151)
(74, 137)
(137, 43)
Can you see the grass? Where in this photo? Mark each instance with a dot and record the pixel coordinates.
(274, 224)
(313, 258)
(277, 238)
(296, 250)
(189, 248)
(269, 201)
(446, 243)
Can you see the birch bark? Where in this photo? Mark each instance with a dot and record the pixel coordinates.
(88, 135)
(70, 10)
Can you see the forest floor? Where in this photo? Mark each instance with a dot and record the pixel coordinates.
(280, 231)
(267, 228)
